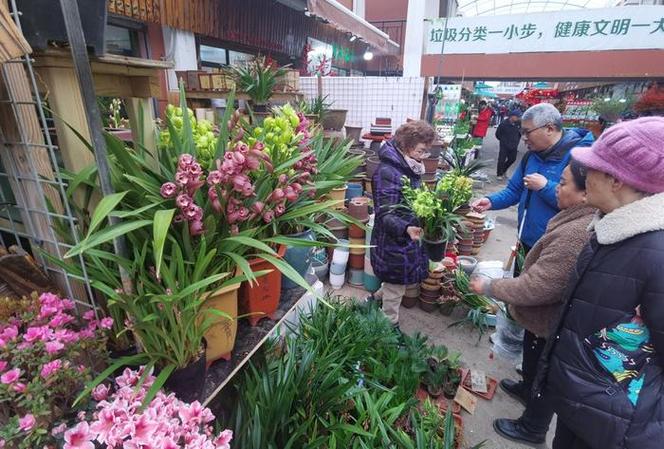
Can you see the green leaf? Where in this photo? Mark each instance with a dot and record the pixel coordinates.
(106, 235)
(160, 227)
(253, 243)
(105, 207)
(85, 176)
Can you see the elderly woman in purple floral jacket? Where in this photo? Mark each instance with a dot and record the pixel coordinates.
(397, 257)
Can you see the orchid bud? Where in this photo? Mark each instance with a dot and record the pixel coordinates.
(268, 216)
(297, 187)
(290, 194)
(258, 207)
(277, 195)
(196, 228)
(283, 179)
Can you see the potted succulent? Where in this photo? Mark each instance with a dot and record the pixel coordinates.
(437, 221)
(258, 79)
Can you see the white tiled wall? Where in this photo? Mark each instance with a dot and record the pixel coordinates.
(369, 97)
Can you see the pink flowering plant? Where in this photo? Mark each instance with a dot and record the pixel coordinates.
(119, 420)
(47, 353)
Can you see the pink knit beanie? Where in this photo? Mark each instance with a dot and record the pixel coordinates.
(632, 152)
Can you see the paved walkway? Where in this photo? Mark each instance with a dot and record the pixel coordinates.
(476, 354)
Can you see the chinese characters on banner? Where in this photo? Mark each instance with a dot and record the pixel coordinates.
(634, 27)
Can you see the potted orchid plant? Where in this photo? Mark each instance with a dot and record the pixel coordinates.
(436, 219)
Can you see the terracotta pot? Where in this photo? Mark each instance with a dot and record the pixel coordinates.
(436, 274)
(430, 164)
(372, 164)
(261, 299)
(340, 233)
(356, 232)
(427, 306)
(356, 261)
(221, 335)
(358, 208)
(433, 283)
(409, 301)
(436, 149)
(369, 153)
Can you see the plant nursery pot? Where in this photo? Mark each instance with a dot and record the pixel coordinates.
(353, 132)
(371, 283)
(436, 149)
(409, 301)
(261, 299)
(334, 119)
(356, 262)
(427, 306)
(298, 258)
(372, 164)
(187, 383)
(321, 269)
(369, 153)
(220, 337)
(430, 164)
(434, 392)
(436, 274)
(413, 290)
(431, 282)
(435, 250)
(340, 233)
(339, 195)
(447, 307)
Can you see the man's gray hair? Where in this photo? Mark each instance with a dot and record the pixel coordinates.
(543, 114)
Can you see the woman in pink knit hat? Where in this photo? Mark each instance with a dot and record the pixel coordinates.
(602, 367)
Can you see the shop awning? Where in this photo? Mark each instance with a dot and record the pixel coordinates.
(344, 20)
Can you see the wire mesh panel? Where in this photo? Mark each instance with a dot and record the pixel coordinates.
(35, 215)
(369, 97)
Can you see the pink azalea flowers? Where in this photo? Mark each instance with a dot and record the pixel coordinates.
(43, 366)
(166, 423)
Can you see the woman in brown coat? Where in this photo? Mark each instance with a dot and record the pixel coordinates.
(535, 297)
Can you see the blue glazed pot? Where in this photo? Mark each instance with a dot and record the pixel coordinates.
(353, 191)
(299, 258)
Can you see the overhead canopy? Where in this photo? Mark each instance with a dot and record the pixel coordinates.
(344, 20)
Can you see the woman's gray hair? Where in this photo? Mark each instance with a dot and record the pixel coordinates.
(543, 114)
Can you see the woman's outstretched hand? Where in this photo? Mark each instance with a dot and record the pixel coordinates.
(414, 233)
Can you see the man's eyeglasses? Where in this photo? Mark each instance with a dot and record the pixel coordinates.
(526, 132)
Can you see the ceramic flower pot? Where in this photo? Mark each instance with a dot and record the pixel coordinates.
(371, 282)
(358, 208)
(261, 299)
(356, 261)
(372, 164)
(334, 119)
(356, 232)
(353, 190)
(435, 249)
(221, 335)
(298, 257)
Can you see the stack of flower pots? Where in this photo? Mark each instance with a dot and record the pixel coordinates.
(340, 257)
(411, 297)
(371, 281)
(430, 170)
(358, 208)
(448, 292)
(337, 227)
(465, 234)
(430, 291)
(477, 221)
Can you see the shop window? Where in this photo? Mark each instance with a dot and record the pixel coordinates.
(213, 56)
(123, 41)
(236, 57)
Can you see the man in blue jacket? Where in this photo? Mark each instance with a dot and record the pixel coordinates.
(533, 187)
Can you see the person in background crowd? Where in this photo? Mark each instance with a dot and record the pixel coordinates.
(535, 297)
(601, 369)
(397, 257)
(503, 113)
(509, 136)
(483, 118)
